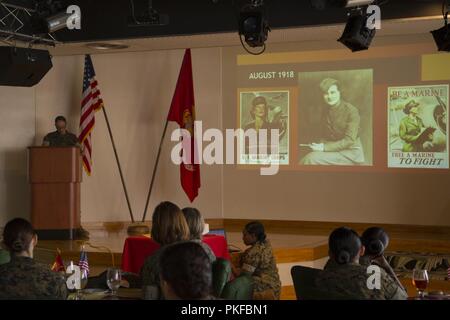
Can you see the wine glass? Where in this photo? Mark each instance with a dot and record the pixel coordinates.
(113, 278)
(420, 280)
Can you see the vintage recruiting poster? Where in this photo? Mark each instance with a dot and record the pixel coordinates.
(261, 112)
(418, 127)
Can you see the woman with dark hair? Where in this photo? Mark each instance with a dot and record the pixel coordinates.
(186, 272)
(259, 113)
(375, 241)
(344, 276)
(168, 226)
(259, 262)
(23, 277)
(340, 143)
(196, 225)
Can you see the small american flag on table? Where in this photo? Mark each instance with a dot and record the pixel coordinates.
(84, 263)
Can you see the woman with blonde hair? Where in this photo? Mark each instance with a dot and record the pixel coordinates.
(196, 225)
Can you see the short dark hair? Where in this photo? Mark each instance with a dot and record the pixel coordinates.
(169, 224)
(375, 240)
(187, 269)
(257, 229)
(60, 118)
(195, 222)
(344, 244)
(257, 101)
(17, 235)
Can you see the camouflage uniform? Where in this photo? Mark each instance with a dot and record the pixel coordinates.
(351, 280)
(259, 262)
(24, 278)
(56, 139)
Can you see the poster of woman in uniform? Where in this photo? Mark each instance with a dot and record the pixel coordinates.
(264, 110)
(418, 127)
(335, 117)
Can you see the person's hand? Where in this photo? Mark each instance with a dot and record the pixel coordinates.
(317, 146)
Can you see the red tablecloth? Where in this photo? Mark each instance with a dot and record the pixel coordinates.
(137, 249)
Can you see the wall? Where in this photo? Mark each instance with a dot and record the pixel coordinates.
(17, 128)
(137, 89)
(373, 194)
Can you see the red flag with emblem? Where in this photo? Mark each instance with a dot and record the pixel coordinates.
(182, 111)
(58, 265)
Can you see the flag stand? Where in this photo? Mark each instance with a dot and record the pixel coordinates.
(132, 229)
(155, 167)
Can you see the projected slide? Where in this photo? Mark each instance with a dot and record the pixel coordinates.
(384, 110)
(264, 110)
(335, 117)
(418, 126)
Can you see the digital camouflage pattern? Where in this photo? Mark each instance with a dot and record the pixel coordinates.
(56, 139)
(351, 280)
(259, 262)
(24, 278)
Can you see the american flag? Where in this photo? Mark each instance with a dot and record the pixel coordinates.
(91, 102)
(84, 263)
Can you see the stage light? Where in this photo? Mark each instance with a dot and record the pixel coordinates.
(58, 21)
(253, 25)
(442, 36)
(357, 36)
(53, 15)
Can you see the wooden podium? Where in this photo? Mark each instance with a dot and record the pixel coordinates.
(55, 175)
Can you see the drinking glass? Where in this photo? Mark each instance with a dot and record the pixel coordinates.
(420, 280)
(113, 278)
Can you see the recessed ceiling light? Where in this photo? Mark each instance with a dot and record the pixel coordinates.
(106, 46)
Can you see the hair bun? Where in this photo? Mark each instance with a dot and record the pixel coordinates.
(343, 257)
(18, 246)
(375, 247)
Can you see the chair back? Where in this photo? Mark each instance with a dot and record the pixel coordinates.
(305, 288)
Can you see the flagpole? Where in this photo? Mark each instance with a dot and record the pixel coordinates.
(155, 167)
(118, 164)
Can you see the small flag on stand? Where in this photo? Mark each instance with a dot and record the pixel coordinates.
(84, 263)
(58, 265)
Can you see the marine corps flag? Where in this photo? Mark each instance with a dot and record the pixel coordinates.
(58, 265)
(182, 111)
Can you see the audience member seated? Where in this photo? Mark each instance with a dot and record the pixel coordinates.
(168, 226)
(258, 261)
(22, 277)
(375, 241)
(196, 226)
(186, 272)
(346, 277)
